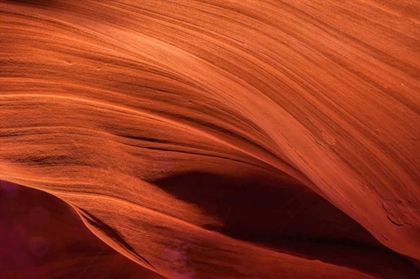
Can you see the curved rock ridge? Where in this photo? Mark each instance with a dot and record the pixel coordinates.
(211, 139)
(42, 237)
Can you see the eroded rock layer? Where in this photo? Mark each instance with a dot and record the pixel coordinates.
(215, 139)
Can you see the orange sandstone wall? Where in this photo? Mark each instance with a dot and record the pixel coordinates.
(222, 139)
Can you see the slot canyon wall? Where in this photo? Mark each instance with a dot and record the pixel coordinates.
(210, 139)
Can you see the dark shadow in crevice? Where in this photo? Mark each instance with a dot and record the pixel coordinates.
(281, 214)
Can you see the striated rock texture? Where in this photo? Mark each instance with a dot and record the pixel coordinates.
(210, 139)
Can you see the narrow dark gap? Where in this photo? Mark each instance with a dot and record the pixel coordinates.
(112, 233)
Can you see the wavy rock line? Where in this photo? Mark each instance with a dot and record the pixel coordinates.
(222, 139)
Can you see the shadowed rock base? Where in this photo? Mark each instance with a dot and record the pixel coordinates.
(42, 237)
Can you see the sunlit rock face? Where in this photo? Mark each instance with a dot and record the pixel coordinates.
(209, 139)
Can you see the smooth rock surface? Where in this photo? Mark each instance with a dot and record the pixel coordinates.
(210, 139)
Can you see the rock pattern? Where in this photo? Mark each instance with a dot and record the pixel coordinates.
(219, 139)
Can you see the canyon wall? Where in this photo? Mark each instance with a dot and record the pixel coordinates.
(218, 139)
